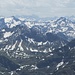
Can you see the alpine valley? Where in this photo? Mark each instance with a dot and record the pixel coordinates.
(37, 46)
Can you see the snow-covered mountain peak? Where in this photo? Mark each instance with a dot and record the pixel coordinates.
(61, 25)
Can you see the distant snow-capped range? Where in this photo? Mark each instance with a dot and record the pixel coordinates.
(61, 26)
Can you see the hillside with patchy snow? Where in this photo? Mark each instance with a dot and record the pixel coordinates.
(36, 46)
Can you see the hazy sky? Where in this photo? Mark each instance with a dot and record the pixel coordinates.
(42, 8)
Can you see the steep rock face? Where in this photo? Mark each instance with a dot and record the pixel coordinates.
(2, 23)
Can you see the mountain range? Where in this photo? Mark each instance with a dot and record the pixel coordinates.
(37, 47)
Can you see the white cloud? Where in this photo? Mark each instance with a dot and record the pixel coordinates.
(38, 7)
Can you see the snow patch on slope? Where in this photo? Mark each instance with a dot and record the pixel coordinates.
(8, 20)
(59, 64)
(15, 24)
(20, 45)
(13, 47)
(7, 34)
